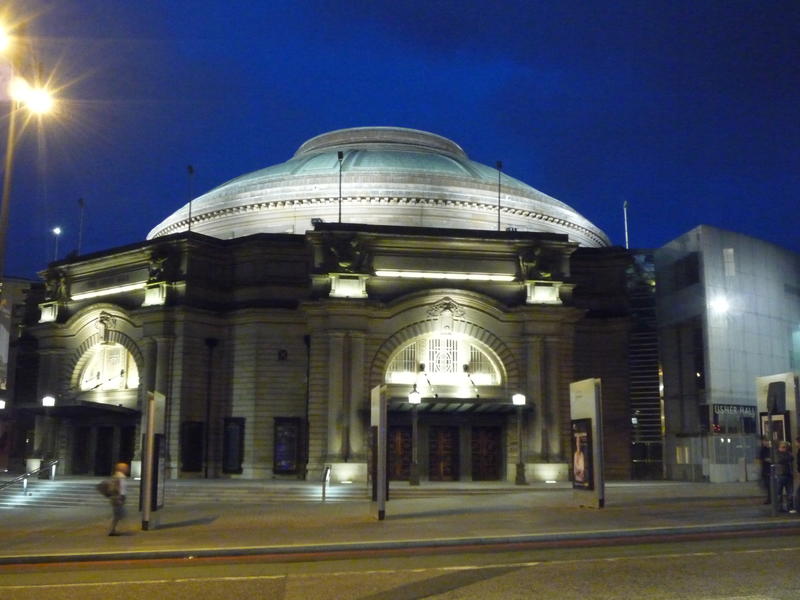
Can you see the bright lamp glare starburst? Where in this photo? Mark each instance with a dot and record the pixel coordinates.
(37, 100)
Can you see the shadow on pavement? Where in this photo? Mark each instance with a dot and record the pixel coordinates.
(188, 523)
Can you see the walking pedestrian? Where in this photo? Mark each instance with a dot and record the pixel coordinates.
(784, 474)
(765, 460)
(796, 504)
(118, 492)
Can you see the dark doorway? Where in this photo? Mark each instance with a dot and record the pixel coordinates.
(443, 454)
(104, 451)
(192, 440)
(81, 451)
(487, 453)
(287, 445)
(399, 453)
(126, 442)
(233, 445)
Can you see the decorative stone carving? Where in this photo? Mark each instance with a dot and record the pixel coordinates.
(156, 267)
(532, 265)
(446, 304)
(105, 322)
(57, 286)
(346, 255)
(446, 311)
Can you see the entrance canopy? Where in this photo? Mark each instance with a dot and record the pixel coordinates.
(78, 409)
(453, 406)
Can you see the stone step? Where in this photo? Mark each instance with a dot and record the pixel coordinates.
(81, 492)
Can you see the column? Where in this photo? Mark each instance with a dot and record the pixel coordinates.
(536, 396)
(335, 396)
(552, 384)
(356, 429)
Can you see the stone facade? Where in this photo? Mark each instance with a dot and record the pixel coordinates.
(266, 349)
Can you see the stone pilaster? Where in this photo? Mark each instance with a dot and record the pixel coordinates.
(536, 394)
(356, 429)
(336, 407)
(552, 442)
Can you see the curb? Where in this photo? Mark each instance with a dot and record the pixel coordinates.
(663, 534)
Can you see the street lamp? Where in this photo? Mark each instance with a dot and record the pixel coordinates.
(36, 100)
(414, 399)
(518, 400)
(57, 233)
(340, 157)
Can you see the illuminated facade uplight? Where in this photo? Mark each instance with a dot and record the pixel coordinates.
(447, 275)
(5, 39)
(720, 305)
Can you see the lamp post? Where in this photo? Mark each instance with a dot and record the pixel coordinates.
(519, 401)
(414, 399)
(48, 402)
(36, 100)
(57, 234)
(340, 156)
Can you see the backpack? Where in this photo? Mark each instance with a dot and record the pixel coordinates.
(106, 488)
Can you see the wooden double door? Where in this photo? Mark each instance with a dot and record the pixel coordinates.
(444, 459)
(443, 456)
(487, 453)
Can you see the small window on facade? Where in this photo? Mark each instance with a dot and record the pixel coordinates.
(729, 262)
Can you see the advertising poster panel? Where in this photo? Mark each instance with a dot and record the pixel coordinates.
(582, 464)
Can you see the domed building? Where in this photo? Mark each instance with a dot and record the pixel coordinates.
(266, 315)
(389, 176)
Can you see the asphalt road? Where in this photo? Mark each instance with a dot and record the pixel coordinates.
(732, 569)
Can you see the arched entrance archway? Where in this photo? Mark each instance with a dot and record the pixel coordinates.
(465, 411)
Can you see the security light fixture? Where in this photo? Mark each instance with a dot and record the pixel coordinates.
(414, 397)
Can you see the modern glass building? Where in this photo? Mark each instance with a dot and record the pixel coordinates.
(728, 312)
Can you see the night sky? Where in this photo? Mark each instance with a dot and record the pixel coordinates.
(689, 110)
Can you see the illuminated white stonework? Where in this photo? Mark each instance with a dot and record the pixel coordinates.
(390, 176)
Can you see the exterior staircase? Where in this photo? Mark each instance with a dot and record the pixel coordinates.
(69, 491)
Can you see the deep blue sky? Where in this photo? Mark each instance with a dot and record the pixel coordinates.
(689, 110)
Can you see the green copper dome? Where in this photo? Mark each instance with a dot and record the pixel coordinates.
(389, 175)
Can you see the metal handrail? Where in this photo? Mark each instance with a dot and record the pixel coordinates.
(44, 465)
(326, 480)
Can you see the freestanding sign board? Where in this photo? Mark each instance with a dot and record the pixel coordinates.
(379, 433)
(778, 404)
(587, 443)
(780, 393)
(153, 460)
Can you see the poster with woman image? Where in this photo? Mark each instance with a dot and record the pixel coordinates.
(582, 473)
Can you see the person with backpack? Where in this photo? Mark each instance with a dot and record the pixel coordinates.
(117, 492)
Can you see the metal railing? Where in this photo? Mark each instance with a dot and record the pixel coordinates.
(326, 480)
(43, 467)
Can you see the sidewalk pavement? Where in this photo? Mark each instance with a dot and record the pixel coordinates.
(539, 514)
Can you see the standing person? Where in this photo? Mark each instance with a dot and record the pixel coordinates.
(784, 474)
(765, 459)
(119, 490)
(796, 504)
